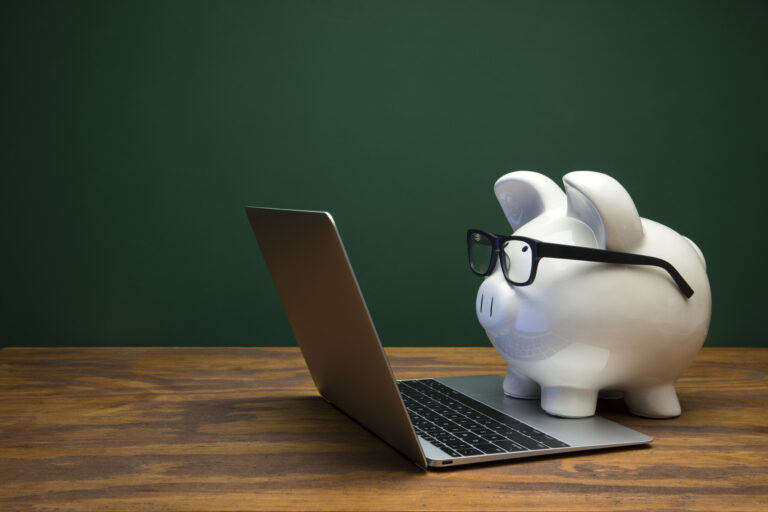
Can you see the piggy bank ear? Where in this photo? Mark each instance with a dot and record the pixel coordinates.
(524, 195)
(601, 203)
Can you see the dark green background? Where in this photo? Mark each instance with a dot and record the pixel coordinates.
(134, 133)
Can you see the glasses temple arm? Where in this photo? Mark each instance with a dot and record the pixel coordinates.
(570, 252)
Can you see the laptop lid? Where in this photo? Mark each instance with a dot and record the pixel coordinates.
(330, 320)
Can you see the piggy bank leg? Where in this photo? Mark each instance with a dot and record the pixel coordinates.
(653, 402)
(518, 386)
(569, 402)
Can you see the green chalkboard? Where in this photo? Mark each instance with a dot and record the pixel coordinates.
(135, 132)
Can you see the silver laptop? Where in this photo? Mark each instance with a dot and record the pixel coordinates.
(434, 422)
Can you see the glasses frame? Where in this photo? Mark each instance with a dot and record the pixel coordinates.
(568, 252)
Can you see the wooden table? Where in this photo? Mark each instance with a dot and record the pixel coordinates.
(192, 429)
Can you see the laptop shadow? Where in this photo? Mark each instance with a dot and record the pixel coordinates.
(316, 435)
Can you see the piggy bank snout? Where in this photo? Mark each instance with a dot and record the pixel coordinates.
(495, 305)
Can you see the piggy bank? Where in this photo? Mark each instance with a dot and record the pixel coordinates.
(587, 297)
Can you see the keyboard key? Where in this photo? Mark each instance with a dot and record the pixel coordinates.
(552, 442)
(450, 451)
(469, 451)
(456, 443)
(510, 446)
(490, 448)
(493, 424)
(528, 443)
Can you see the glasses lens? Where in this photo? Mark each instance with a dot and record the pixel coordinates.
(480, 252)
(518, 260)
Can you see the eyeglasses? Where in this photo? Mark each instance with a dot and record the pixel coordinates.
(521, 256)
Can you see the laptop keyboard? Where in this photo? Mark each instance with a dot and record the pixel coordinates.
(461, 426)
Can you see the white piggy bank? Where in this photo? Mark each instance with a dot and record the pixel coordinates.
(582, 327)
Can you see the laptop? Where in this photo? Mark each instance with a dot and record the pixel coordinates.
(435, 422)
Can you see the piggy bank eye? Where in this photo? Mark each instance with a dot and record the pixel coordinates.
(518, 262)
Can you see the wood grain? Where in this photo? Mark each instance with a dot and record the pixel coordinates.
(235, 429)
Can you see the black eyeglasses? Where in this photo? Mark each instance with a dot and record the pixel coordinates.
(521, 257)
